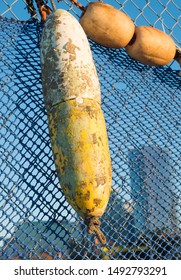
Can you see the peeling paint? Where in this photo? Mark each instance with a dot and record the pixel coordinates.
(66, 54)
(82, 166)
(97, 201)
(70, 48)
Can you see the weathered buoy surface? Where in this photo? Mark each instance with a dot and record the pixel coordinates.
(106, 25)
(151, 46)
(68, 70)
(80, 145)
(76, 122)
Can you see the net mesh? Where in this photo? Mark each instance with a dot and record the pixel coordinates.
(141, 105)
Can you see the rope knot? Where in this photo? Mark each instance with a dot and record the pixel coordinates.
(93, 224)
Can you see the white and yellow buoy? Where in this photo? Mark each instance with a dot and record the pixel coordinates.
(76, 123)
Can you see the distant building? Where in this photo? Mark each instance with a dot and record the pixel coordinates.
(152, 194)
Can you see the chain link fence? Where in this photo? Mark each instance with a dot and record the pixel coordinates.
(141, 105)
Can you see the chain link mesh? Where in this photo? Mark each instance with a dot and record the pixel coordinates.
(141, 105)
(162, 14)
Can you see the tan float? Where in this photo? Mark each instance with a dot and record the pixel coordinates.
(106, 25)
(151, 46)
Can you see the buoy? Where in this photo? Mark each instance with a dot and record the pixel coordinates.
(76, 122)
(107, 25)
(151, 46)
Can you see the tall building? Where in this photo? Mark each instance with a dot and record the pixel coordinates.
(151, 187)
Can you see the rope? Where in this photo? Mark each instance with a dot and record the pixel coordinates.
(30, 7)
(53, 5)
(93, 224)
(44, 9)
(178, 57)
(77, 4)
